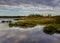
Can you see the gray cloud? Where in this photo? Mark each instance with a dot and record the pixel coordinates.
(34, 2)
(30, 4)
(25, 7)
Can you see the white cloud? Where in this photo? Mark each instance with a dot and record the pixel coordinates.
(29, 7)
(8, 7)
(32, 7)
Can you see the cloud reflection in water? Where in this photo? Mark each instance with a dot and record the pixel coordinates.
(35, 35)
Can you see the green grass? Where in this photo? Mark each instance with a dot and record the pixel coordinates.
(31, 22)
(52, 28)
(52, 22)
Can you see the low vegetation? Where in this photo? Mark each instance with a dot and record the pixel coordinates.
(52, 28)
(52, 22)
(32, 20)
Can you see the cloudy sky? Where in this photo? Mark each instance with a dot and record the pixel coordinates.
(25, 7)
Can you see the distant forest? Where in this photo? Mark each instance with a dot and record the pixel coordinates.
(10, 16)
(31, 15)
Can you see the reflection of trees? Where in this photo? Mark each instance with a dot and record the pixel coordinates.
(10, 16)
(6, 21)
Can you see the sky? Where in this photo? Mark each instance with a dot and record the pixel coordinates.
(25, 7)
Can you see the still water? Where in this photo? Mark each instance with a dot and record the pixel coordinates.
(26, 35)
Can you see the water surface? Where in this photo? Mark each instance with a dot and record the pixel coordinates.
(26, 35)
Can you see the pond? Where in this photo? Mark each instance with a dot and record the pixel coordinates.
(26, 35)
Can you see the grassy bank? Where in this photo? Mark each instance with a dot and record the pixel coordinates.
(32, 22)
(52, 22)
(52, 28)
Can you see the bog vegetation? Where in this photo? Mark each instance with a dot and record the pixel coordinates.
(52, 22)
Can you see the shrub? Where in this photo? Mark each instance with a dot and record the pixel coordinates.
(50, 29)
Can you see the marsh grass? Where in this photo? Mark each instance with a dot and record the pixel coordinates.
(52, 28)
(52, 22)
